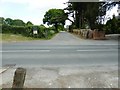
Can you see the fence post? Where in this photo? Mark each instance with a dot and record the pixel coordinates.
(19, 78)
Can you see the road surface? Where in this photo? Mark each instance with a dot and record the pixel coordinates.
(65, 61)
(64, 49)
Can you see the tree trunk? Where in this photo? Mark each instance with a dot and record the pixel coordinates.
(56, 27)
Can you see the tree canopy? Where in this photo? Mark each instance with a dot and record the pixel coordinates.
(86, 12)
(29, 23)
(113, 25)
(9, 21)
(14, 22)
(18, 22)
(92, 13)
(55, 17)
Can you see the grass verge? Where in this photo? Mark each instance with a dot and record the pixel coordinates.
(18, 38)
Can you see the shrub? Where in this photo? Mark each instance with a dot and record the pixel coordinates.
(13, 29)
(112, 26)
(43, 32)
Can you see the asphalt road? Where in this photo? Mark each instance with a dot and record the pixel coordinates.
(65, 61)
(63, 49)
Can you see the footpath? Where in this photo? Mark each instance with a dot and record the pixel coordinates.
(65, 77)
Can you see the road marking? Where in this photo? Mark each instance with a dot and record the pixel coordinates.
(20, 51)
(13, 51)
(96, 50)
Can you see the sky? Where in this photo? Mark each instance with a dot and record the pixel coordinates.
(29, 10)
(33, 10)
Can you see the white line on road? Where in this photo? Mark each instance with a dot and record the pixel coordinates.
(97, 50)
(26, 51)
(20, 51)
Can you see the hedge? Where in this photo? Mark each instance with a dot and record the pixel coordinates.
(43, 32)
(13, 29)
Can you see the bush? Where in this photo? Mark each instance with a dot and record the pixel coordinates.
(43, 32)
(13, 29)
(0, 28)
(112, 26)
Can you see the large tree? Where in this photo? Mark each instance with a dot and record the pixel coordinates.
(55, 17)
(91, 12)
(86, 12)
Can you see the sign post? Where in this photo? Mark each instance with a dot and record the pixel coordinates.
(35, 31)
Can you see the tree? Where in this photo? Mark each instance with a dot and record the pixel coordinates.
(92, 13)
(29, 23)
(86, 12)
(2, 20)
(8, 21)
(75, 8)
(18, 22)
(113, 25)
(55, 17)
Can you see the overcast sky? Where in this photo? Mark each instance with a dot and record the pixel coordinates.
(28, 10)
(31, 10)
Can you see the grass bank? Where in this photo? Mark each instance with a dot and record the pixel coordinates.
(18, 38)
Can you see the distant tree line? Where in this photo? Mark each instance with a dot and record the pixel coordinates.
(17, 26)
(13, 22)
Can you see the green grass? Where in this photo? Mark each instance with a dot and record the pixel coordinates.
(18, 38)
(15, 38)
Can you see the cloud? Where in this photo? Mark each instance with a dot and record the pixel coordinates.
(33, 4)
(112, 12)
(14, 1)
(1, 13)
(46, 4)
(29, 10)
(33, 10)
